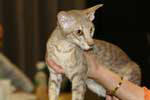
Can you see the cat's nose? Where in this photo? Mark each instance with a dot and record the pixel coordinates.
(90, 43)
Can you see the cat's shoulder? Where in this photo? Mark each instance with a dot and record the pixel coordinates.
(62, 46)
(105, 43)
(107, 46)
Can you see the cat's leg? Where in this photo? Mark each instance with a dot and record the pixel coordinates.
(78, 88)
(54, 86)
(96, 88)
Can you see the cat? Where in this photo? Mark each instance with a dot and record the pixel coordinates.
(72, 36)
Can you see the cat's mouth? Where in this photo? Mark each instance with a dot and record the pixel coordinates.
(88, 49)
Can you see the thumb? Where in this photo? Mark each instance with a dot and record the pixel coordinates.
(89, 56)
(91, 59)
(55, 66)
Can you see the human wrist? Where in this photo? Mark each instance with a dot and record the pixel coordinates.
(105, 77)
(97, 73)
(116, 88)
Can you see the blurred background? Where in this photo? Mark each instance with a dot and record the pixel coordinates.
(28, 23)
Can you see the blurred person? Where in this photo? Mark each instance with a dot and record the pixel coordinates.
(8, 70)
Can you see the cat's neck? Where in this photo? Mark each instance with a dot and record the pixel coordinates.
(57, 34)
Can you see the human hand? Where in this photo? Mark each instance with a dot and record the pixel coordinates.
(57, 68)
(93, 65)
(111, 97)
(94, 68)
(91, 60)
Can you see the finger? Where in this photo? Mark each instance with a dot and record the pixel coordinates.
(115, 98)
(108, 97)
(91, 59)
(55, 66)
(89, 56)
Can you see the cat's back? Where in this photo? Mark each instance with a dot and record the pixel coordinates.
(110, 54)
(117, 60)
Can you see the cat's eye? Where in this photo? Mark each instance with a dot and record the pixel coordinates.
(79, 32)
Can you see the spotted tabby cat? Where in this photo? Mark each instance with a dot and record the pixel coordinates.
(71, 37)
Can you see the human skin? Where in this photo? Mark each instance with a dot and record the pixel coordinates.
(109, 79)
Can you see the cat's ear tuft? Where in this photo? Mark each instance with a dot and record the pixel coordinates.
(91, 11)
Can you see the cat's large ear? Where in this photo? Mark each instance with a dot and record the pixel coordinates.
(91, 11)
(64, 19)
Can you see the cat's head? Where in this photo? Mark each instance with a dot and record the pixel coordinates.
(77, 26)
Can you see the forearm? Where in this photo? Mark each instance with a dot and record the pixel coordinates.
(127, 91)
